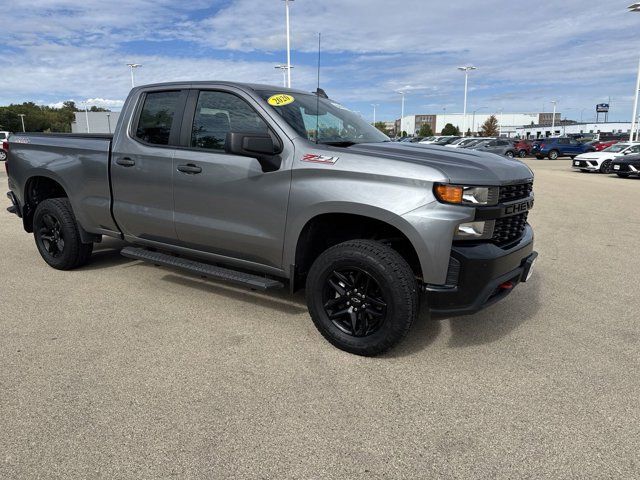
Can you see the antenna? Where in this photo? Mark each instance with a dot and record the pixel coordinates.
(318, 93)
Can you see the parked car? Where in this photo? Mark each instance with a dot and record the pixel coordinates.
(476, 141)
(227, 180)
(602, 161)
(522, 147)
(445, 141)
(601, 145)
(499, 146)
(437, 139)
(626, 166)
(461, 142)
(555, 147)
(4, 136)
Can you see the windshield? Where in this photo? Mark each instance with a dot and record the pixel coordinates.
(322, 119)
(618, 147)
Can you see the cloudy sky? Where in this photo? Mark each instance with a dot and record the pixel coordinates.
(580, 52)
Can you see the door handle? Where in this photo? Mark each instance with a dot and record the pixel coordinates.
(125, 162)
(189, 168)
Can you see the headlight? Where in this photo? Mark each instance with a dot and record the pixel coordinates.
(475, 230)
(460, 194)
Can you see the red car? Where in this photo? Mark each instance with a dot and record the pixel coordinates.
(599, 146)
(523, 147)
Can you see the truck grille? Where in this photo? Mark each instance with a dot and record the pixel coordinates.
(508, 229)
(509, 193)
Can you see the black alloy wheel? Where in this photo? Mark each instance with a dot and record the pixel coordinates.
(354, 302)
(50, 236)
(606, 166)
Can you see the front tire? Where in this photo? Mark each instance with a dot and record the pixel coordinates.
(522, 153)
(3, 155)
(362, 296)
(553, 155)
(57, 237)
(606, 166)
(623, 175)
(509, 154)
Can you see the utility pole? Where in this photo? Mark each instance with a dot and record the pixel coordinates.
(286, 7)
(132, 66)
(374, 105)
(22, 115)
(466, 70)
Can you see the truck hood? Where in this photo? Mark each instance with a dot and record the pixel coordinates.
(459, 165)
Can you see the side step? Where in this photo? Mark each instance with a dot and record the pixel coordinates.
(203, 269)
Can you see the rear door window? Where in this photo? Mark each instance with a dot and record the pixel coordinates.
(157, 117)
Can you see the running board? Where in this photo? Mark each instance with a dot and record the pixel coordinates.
(202, 269)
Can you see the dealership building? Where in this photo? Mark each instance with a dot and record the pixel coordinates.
(509, 122)
(574, 128)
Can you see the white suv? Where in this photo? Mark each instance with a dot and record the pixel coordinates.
(3, 154)
(601, 161)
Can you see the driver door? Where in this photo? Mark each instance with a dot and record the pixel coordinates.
(224, 203)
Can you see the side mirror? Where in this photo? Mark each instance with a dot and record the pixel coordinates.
(255, 145)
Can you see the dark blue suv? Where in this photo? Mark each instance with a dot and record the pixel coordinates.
(559, 147)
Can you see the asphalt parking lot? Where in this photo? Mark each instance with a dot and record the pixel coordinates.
(127, 370)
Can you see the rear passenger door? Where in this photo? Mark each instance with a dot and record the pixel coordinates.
(142, 166)
(224, 203)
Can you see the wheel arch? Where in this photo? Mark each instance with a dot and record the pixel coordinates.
(330, 224)
(38, 187)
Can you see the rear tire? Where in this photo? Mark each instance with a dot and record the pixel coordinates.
(57, 236)
(553, 155)
(509, 154)
(362, 296)
(606, 166)
(522, 153)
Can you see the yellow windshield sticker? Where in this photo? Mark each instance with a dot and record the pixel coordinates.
(280, 100)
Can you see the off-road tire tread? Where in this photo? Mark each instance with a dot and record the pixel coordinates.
(399, 273)
(79, 253)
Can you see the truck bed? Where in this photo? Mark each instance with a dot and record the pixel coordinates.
(79, 162)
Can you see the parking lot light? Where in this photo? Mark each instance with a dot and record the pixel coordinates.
(553, 116)
(374, 105)
(288, 28)
(401, 111)
(634, 7)
(466, 69)
(132, 66)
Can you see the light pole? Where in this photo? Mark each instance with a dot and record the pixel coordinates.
(286, 8)
(466, 70)
(401, 111)
(473, 121)
(22, 115)
(86, 116)
(131, 67)
(374, 105)
(109, 121)
(444, 118)
(284, 69)
(635, 7)
(553, 116)
(500, 123)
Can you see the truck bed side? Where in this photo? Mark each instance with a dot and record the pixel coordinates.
(79, 163)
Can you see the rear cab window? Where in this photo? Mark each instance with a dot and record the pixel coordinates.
(157, 116)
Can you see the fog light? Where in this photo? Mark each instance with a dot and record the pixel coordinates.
(475, 230)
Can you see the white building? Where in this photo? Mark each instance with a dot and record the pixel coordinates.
(508, 122)
(99, 122)
(542, 131)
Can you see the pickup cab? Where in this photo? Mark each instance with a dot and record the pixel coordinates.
(266, 187)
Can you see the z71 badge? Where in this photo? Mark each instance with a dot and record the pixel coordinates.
(310, 157)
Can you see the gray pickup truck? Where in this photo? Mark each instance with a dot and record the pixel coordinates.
(264, 186)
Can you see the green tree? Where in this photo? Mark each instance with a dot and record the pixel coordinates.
(490, 127)
(382, 127)
(425, 130)
(449, 129)
(40, 118)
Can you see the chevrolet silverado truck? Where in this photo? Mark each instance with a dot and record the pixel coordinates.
(266, 187)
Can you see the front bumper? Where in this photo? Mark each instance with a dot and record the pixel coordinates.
(626, 169)
(591, 165)
(484, 274)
